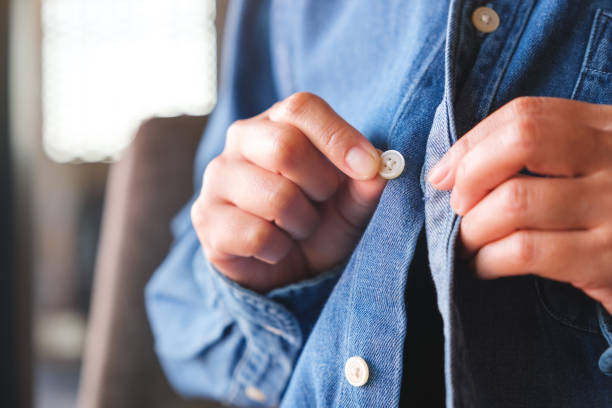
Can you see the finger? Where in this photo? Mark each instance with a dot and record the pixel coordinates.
(264, 194)
(357, 200)
(343, 220)
(543, 147)
(342, 144)
(262, 277)
(593, 115)
(227, 232)
(530, 203)
(560, 255)
(283, 149)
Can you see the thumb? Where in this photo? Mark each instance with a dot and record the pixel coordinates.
(343, 219)
(357, 200)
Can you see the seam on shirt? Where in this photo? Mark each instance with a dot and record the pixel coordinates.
(587, 54)
(597, 70)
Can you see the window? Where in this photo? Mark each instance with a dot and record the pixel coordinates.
(109, 64)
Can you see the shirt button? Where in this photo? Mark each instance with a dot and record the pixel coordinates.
(392, 164)
(356, 371)
(485, 19)
(255, 394)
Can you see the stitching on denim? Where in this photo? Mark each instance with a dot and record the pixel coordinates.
(282, 318)
(449, 68)
(601, 23)
(277, 316)
(597, 70)
(587, 54)
(234, 389)
(554, 315)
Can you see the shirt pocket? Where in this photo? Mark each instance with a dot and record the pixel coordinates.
(594, 83)
(563, 302)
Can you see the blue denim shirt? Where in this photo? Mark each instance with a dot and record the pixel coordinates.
(411, 75)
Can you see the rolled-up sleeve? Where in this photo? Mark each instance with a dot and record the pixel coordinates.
(218, 340)
(605, 324)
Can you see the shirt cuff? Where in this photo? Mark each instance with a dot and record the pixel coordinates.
(605, 323)
(289, 311)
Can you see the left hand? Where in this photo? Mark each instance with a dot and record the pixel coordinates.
(557, 223)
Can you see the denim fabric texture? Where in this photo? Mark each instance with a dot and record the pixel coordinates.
(413, 76)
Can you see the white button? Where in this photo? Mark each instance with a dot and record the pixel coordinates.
(392, 164)
(255, 394)
(485, 19)
(356, 371)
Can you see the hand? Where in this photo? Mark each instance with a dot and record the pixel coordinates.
(555, 223)
(289, 196)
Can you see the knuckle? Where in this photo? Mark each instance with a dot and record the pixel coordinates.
(258, 238)
(286, 149)
(463, 170)
(604, 246)
(200, 219)
(283, 198)
(467, 226)
(334, 141)
(212, 170)
(234, 130)
(295, 104)
(523, 134)
(525, 106)
(515, 197)
(197, 215)
(524, 248)
(213, 254)
(213, 247)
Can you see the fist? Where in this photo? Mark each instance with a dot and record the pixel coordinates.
(289, 196)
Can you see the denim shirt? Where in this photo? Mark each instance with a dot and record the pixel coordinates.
(413, 76)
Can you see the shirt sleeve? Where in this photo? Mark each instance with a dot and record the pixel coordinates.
(214, 338)
(218, 340)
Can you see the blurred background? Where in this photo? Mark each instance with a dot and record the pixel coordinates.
(77, 80)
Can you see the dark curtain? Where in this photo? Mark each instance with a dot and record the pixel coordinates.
(10, 372)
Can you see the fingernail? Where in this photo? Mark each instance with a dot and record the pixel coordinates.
(437, 173)
(361, 162)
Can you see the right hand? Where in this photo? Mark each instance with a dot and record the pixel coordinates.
(285, 200)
